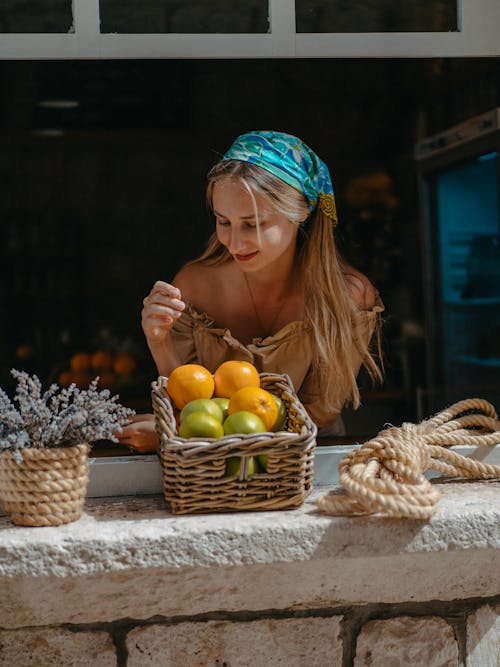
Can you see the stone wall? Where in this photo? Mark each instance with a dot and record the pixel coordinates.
(465, 633)
(131, 585)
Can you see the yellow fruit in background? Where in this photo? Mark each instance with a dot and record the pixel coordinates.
(202, 405)
(200, 425)
(233, 375)
(189, 381)
(243, 422)
(233, 466)
(256, 400)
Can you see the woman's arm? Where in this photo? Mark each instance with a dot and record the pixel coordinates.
(162, 307)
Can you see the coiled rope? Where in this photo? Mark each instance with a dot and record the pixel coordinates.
(386, 474)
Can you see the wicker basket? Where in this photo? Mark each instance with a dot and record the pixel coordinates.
(47, 488)
(194, 478)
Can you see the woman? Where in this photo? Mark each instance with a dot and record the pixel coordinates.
(270, 288)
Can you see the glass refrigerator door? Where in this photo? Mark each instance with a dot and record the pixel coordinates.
(468, 276)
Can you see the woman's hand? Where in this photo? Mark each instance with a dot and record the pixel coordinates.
(162, 307)
(139, 434)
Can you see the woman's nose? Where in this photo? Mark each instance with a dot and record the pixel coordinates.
(236, 242)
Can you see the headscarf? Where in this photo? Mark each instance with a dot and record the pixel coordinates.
(292, 161)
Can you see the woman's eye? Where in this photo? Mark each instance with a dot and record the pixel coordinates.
(222, 223)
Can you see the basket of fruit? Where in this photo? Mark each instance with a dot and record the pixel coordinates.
(233, 441)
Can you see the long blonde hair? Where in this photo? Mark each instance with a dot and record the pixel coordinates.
(329, 306)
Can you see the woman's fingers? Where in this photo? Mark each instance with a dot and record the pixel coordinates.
(140, 434)
(162, 307)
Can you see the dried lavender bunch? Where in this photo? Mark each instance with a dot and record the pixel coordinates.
(58, 417)
(13, 435)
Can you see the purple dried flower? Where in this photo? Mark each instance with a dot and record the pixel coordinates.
(57, 417)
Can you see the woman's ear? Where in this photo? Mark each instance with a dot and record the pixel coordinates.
(306, 222)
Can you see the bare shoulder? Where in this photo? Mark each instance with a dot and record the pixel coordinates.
(360, 288)
(196, 282)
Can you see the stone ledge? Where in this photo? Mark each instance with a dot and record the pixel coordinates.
(128, 558)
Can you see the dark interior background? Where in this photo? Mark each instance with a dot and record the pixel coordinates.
(102, 192)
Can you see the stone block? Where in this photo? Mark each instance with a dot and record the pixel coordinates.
(407, 640)
(128, 558)
(57, 647)
(297, 642)
(483, 637)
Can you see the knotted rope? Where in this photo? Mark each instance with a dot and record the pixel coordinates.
(386, 474)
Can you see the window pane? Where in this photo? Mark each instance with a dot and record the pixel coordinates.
(376, 15)
(184, 16)
(39, 16)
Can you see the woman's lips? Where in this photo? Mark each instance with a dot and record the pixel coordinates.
(245, 258)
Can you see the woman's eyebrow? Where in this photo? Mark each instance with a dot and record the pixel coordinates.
(243, 217)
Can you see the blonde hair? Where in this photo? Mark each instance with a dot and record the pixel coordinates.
(329, 306)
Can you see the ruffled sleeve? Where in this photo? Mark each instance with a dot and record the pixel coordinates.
(198, 340)
(183, 337)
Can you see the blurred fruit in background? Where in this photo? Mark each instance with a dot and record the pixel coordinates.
(102, 361)
(115, 371)
(65, 378)
(80, 362)
(124, 364)
(24, 352)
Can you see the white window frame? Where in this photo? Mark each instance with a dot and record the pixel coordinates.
(478, 35)
(141, 475)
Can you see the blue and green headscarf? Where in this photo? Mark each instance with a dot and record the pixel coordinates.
(290, 160)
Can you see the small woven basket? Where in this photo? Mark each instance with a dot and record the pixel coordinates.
(194, 478)
(47, 488)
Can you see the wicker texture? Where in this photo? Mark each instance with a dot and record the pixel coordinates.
(194, 469)
(47, 488)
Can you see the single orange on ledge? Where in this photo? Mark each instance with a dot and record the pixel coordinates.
(233, 375)
(189, 381)
(255, 400)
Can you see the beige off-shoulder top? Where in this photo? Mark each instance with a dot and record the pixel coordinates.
(198, 339)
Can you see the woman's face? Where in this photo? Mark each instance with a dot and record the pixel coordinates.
(236, 227)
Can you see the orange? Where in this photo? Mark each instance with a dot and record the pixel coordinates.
(80, 362)
(233, 375)
(124, 364)
(189, 381)
(255, 400)
(101, 361)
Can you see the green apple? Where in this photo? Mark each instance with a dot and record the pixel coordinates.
(262, 460)
(223, 404)
(200, 425)
(202, 405)
(281, 418)
(233, 465)
(243, 422)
